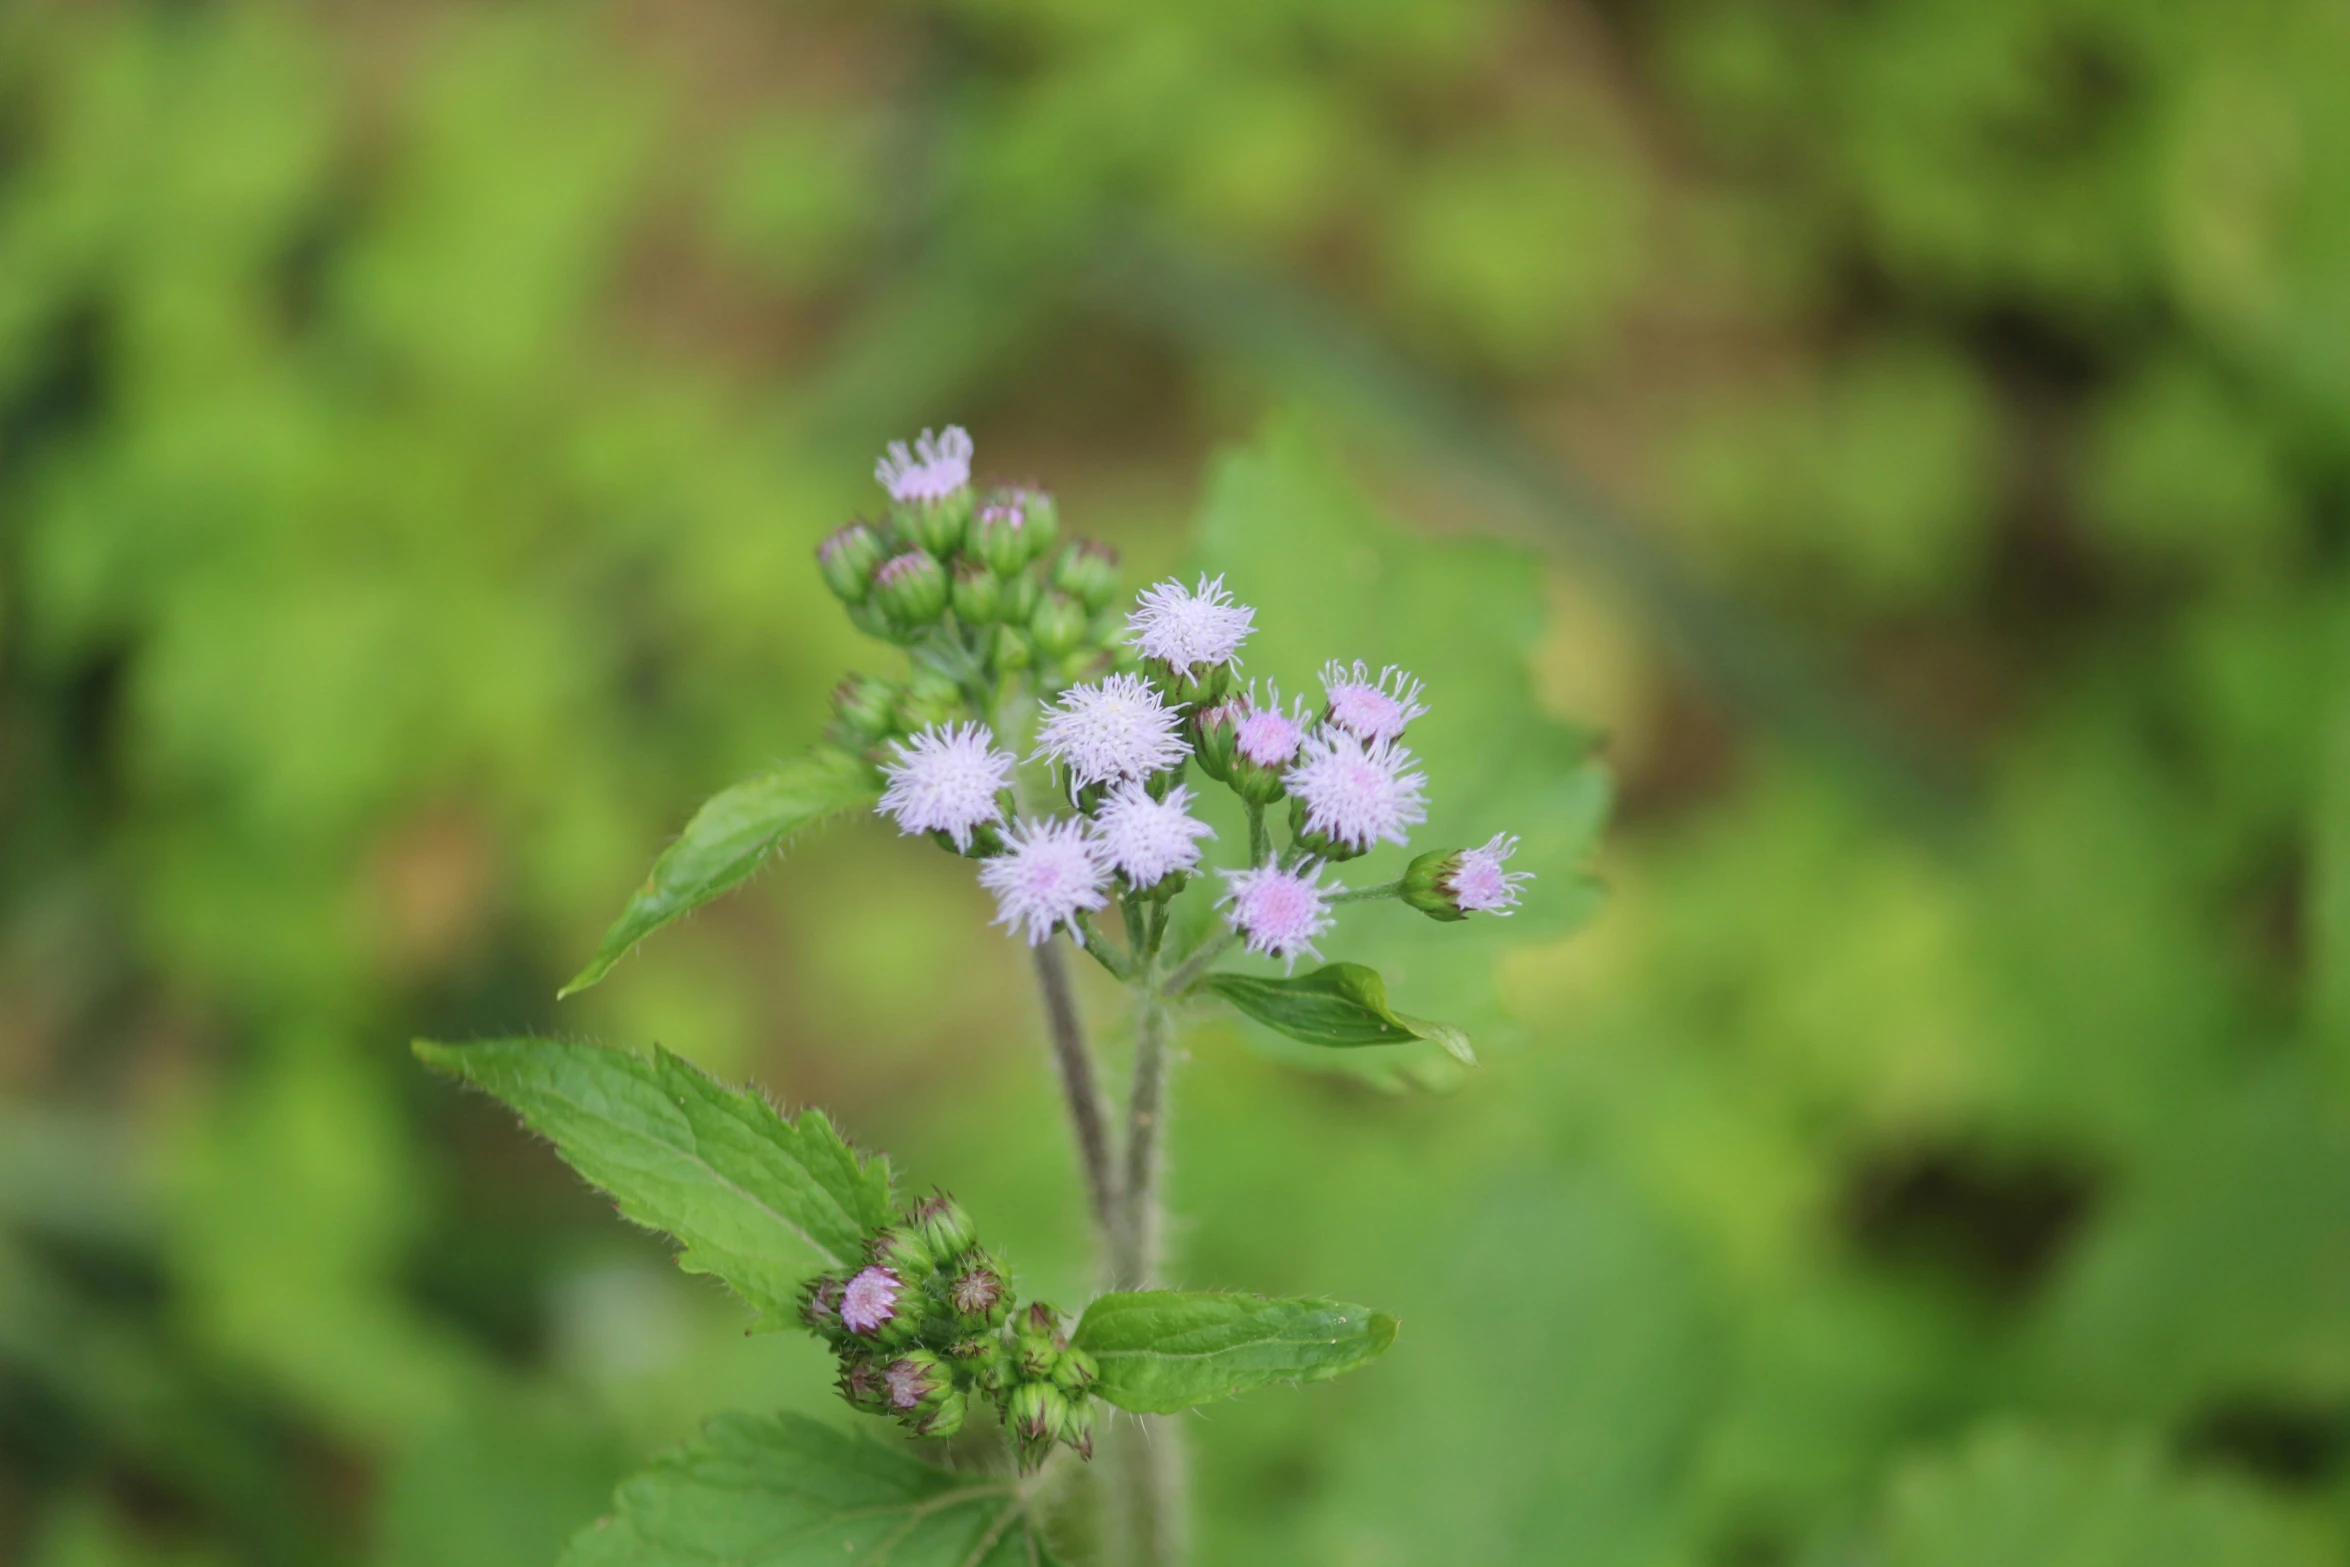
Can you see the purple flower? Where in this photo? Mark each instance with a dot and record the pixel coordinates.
(1277, 912)
(1358, 794)
(1371, 710)
(1049, 873)
(1182, 628)
(938, 466)
(1117, 729)
(947, 780)
(1145, 839)
(870, 1300)
(1265, 734)
(1479, 885)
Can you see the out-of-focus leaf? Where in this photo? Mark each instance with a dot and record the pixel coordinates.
(788, 1492)
(2024, 1499)
(729, 836)
(1164, 1350)
(1342, 1005)
(752, 1196)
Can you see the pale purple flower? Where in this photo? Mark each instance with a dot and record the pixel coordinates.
(1117, 729)
(1049, 873)
(938, 466)
(1371, 710)
(1277, 912)
(1145, 839)
(870, 1300)
(908, 1382)
(1479, 885)
(1184, 628)
(947, 780)
(1358, 794)
(1264, 733)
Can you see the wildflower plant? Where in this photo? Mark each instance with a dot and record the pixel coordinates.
(1063, 741)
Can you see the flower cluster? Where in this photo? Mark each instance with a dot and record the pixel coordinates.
(1125, 709)
(928, 1325)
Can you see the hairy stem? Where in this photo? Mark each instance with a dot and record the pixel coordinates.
(1089, 1113)
(1187, 973)
(1134, 1256)
(1260, 842)
(1146, 1523)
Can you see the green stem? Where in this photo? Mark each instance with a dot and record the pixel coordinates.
(1188, 972)
(1135, 1255)
(1386, 889)
(1089, 1112)
(1260, 842)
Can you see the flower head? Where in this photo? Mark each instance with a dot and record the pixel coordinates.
(1049, 873)
(869, 1301)
(1357, 794)
(1479, 885)
(1145, 839)
(1277, 912)
(1182, 628)
(947, 780)
(938, 466)
(1265, 734)
(1116, 729)
(1371, 710)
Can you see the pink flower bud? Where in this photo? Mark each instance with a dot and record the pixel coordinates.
(870, 1301)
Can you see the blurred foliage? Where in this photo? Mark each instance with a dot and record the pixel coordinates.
(413, 425)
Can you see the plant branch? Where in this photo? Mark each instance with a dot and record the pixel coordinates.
(1386, 889)
(1089, 1113)
(1135, 1254)
(1187, 974)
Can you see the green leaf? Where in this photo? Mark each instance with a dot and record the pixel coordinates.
(728, 837)
(752, 1196)
(1161, 1350)
(1341, 1006)
(783, 1491)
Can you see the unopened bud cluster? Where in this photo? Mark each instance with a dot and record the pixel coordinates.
(929, 1325)
(980, 579)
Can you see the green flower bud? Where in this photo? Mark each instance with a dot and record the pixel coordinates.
(865, 707)
(1201, 685)
(936, 526)
(943, 1225)
(1213, 736)
(1036, 1414)
(916, 1381)
(902, 1252)
(1000, 535)
(861, 1383)
(910, 590)
(1076, 1427)
(1009, 651)
(1058, 625)
(944, 1418)
(979, 1295)
(1037, 1342)
(820, 1306)
(1022, 593)
(1075, 1372)
(977, 594)
(1088, 572)
(847, 561)
(928, 698)
(1426, 885)
(987, 841)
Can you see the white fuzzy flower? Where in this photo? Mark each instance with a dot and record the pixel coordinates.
(1357, 794)
(1049, 873)
(1145, 839)
(947, 780)
(938, 466)
(1264, 733)
(1117, 729)
(1277, 912)
(870, 1300)
(1371, 710)
(1479, 885)
(1186, 628)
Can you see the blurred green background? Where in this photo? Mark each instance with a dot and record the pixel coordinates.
(1915, 437)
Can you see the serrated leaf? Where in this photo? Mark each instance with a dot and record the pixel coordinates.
(1165, 1350)
(783, 1491)
(729, 836)
(754, 1197)
(1341, 1006)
